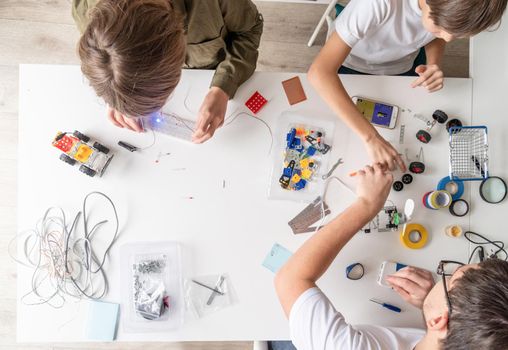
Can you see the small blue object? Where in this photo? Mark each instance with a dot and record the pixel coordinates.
(276, 258)
(290, 137)
(441, 186)
(288, 172)
(392, 307)
(399, 266)
(387, 306)
(311, 151)
(102, 321)
(300, 184)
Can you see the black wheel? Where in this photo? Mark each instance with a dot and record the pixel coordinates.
(453, 124)
(417, 167)
(87, 170)
(440, 116)
(407, 179)
(80, 136)
(65, 158)
(423, 136)
(398, 186)
(100, 148)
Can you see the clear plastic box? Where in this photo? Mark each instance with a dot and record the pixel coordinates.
(152, 268)
(314, 186)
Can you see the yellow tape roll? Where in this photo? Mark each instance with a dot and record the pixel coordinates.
(440, 199)
(414, 236)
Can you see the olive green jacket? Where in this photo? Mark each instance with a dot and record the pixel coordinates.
(221, 34)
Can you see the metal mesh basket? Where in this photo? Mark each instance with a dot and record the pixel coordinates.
(468, 153)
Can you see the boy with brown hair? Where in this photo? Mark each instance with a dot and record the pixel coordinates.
(384, 37)
(132, 52)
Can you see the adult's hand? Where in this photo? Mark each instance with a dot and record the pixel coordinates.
(412, 284)
(374, 184)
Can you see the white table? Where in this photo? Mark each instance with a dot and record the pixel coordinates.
(489, 69)
(222, 230)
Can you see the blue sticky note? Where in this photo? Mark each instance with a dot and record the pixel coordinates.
(277, 257)
(102, 321)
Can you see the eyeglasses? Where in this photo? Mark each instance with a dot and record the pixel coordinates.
(447, 268)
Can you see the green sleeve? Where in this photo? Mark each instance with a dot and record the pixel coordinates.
(80, 10)
(245, 26)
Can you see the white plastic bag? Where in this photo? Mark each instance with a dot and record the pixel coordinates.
(208, 294)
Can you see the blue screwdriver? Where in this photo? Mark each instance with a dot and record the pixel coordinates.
(388, 306)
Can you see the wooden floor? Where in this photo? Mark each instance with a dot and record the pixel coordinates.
(42, 31)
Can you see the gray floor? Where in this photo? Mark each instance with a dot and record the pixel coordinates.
(42, 31)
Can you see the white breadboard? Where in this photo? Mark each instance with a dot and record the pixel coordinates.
(169, 124)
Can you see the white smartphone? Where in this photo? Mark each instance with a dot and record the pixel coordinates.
(388, 268)
(377, 113)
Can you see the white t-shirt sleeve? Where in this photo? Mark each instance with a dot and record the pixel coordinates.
(360, 17)
(314, 324)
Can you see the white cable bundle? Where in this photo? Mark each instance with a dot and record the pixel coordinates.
(64, 265)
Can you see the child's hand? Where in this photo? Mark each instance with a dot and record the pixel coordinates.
(374, 184)
(381, 151)
(211, 115)
(122, 121)
(412, 284)
(431, 77)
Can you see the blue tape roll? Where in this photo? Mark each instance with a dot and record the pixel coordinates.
(355, 271)
(460, 187)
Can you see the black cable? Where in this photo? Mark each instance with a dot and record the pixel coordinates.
(480, 254)
(498, 244)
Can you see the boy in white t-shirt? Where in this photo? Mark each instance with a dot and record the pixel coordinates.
(467, 309)
(385, 37)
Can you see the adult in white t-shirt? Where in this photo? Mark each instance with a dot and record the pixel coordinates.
(477, 294)
(385, 37)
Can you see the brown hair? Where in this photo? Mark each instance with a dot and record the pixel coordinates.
(132, 52)
(480, 308)
(464, 18)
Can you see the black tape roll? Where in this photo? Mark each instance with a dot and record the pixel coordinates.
(459, 208)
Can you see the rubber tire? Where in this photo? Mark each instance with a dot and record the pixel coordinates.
(86, 170)
(398, 186)
(425, 136)
(81, 136)
(453, 123)
(407, 179)
(65, 158)
(440, 116)
(417, 165)
(100, 148)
